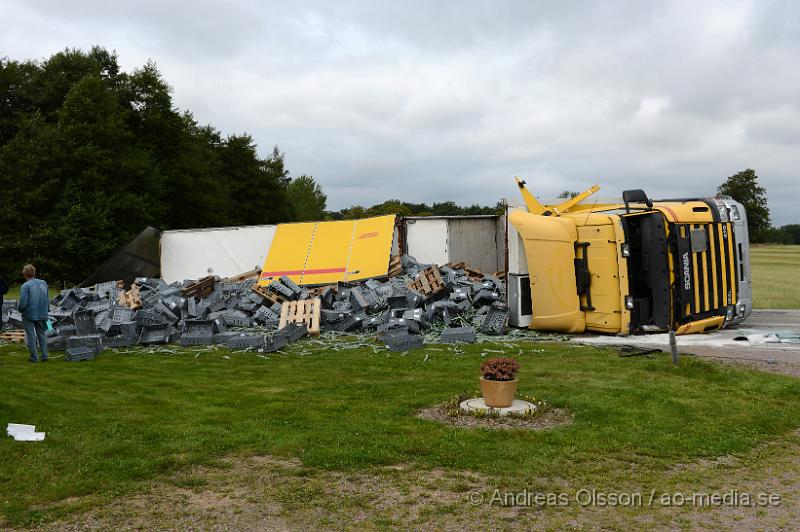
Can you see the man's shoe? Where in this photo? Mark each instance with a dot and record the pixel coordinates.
(34, 361)
(44, 360)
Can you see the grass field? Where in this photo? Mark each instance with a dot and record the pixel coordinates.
(125, 420)
(776, 270)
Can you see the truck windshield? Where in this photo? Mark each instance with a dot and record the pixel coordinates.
(648, 270)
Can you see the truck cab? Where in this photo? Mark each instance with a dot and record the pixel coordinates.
(635, 266)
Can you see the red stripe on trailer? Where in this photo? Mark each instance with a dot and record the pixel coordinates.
(303, 272)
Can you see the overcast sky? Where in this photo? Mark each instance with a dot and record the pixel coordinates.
(430, 101)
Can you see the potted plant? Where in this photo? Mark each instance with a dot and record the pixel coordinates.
(499, 381)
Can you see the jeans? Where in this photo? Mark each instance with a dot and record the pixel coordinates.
(35, 331)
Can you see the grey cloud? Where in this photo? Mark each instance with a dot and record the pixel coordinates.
(429, 101)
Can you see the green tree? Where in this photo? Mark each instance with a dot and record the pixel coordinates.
(257, 187)
(744, 188)
(307, 198)
(792, 232)
(787, 234)
(90, 155)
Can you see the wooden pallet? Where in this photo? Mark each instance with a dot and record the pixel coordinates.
(317, 290)
(303, 312)
(428, 282)
(395, 268)
(200, 288)
(130, 298)
(243, 276)
(473, 273)
(268, 295)
(14, 337)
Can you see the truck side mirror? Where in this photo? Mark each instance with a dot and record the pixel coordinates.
(636, 196)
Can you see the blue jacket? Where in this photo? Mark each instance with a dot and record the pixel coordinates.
(34, 301)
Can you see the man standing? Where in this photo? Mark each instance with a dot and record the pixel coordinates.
(34, 305)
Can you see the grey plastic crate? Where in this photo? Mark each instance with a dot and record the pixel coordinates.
(56, 343)
(197, 332)
(277, 342)
(291, 285)
(196, 340)
(79, 354)
(216, 305)
(15, 319)
(375, 321)
(148, 317)
(84, 322)
(236, 319)
(293, 332)
(485, 297)
(464, 334)
(155, 334)
(496, 319)
(403, 341)
(223, 337)
(71, 300)
(245, 341)
(328, 297)
(120, 340)
(198, 327)
(191, 307)
(334, 316)
(92, 341)
(399, 323)
(165, 311)
(129, 329)
(247, 306)
(397, 302)
(121, 314)
(99, 306)
(59, 315)
(279, 288)
(65, 330)
(265, 314)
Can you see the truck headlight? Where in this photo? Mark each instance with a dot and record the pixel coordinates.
(625, 250)
(629, 302)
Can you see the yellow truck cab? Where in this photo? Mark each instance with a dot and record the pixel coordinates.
(635, 266)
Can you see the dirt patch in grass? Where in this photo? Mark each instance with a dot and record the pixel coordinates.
(552, 418)
(269, 493)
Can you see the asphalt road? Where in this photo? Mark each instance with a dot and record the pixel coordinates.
(752, 343)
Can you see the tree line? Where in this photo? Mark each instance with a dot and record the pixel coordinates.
(91, 155)
(402, 208)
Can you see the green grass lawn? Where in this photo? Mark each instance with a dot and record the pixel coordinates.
(13, 292)
(775, 273)
(125, 419)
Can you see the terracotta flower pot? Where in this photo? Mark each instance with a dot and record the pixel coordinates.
(498, 394)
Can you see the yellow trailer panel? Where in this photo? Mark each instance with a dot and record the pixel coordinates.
(315, 253)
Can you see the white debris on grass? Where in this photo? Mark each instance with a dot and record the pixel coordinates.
(21, 432)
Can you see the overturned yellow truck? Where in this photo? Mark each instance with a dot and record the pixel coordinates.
(635, 266)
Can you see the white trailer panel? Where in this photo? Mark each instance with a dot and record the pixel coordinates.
(222, 251)
(426, 240)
